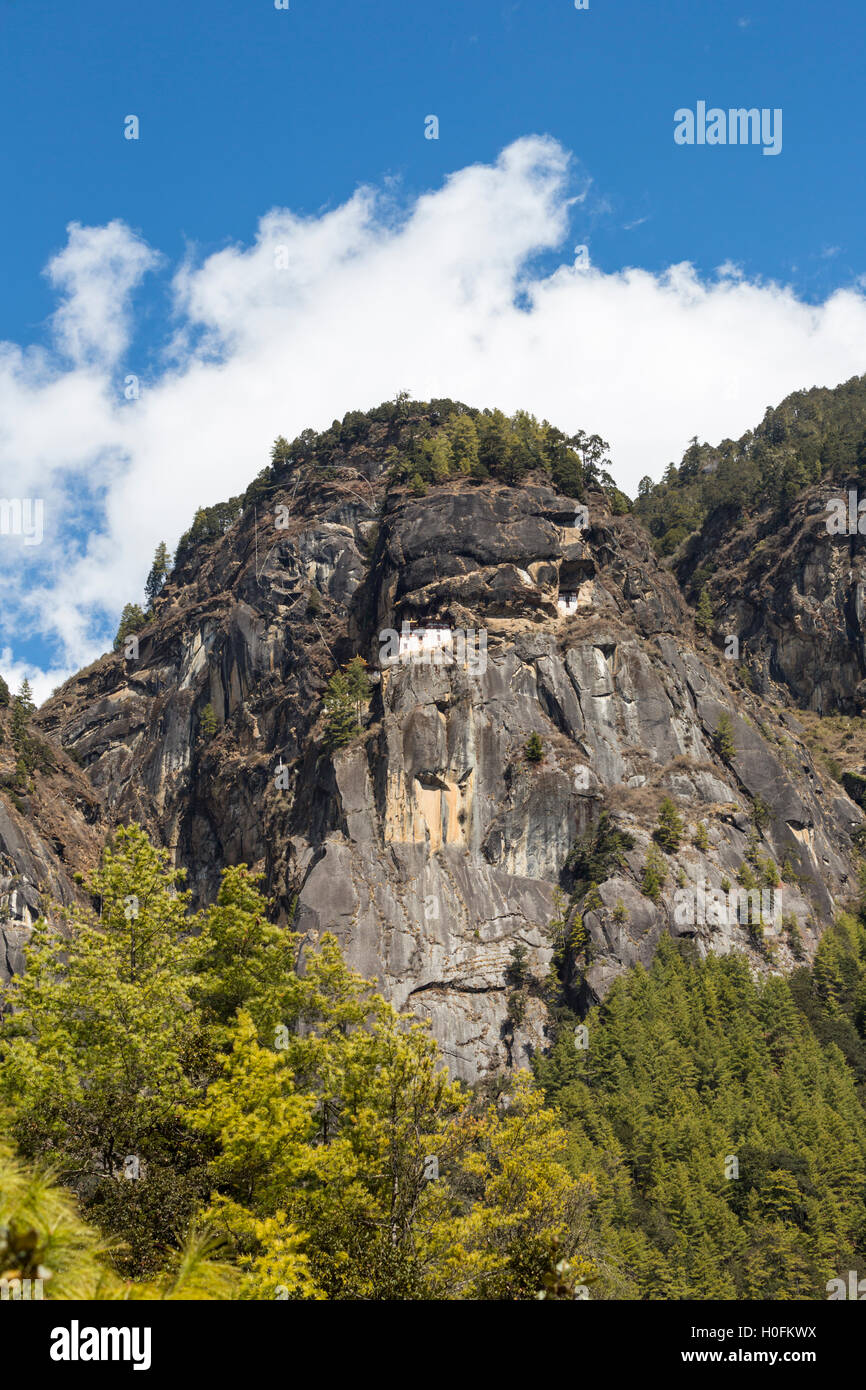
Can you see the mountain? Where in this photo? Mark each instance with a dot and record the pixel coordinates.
(51, 826)
(752, 522)
(494, 841)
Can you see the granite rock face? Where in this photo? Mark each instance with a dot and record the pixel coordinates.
(430, 845)
(794, 595)
(47, 831)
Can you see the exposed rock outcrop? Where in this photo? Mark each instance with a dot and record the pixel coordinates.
(794, 596)
(49, 827)
(431, 845)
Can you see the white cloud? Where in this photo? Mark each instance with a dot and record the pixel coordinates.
(42, 683)
(97, 269)
(442, 297)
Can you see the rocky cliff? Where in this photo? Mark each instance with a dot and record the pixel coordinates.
(431, 844)
(793, 592)
(51, 826)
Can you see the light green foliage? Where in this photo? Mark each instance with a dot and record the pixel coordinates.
(42, 1236)
(207, 723)
(275, 1098)
(348, 690)
(704, 613)
(132, 620)
(670, 827)
(324, 1150)
(95, 1056)
(281, 452)
(723, 738)
(463, 439)
(654, 874)
(534, 749)
(295, 1113)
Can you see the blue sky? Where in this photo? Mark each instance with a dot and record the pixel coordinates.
(244, 109)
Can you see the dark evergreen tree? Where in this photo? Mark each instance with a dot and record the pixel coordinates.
(158, 573)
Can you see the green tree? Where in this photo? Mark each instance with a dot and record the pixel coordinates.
(463, 438)
(324, 1178)
(29, 752)
(693, 1064)
(132, 620)
(670, 827)
(654, 874)
(208, 723)
(347, 692)
(534, 749)
(594, 855)
(762, 814)
(358, 685)
(246, 962)
(281, 452)
(158, 573)
(4, 694)
(43, 1236)
(723, 738)
(518, 968)
(704, 614)
(97, 1046)
(341, 712)
(23, 709)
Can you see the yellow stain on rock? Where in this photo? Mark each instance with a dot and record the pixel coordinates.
(434, 815)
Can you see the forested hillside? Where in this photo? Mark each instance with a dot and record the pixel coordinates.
(813, 435)
(701, 1135)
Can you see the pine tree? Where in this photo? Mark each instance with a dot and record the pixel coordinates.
(132, 620)
(723, 738)
(654, 874)
(341, 720)
(43, 1237)
(670, 827)
(25, 746)
(23, 709)
(281, 452)
(208, 723)
(24, 699)
(518, 969)
(358, 687)
(704, 613)
(94, 1055)
(463, 436)
(158, 573)
(762, 814)
(534, 749)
